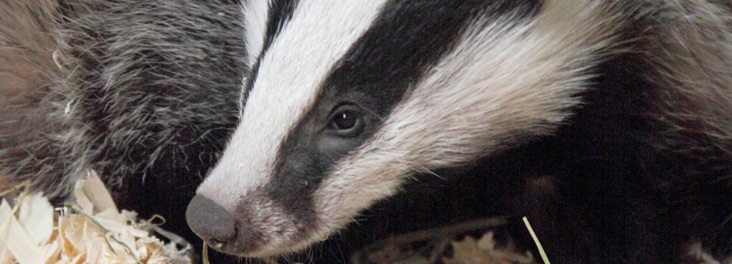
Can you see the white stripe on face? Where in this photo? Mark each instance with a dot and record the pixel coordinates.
(255, 27)
(506, 80)
(289, 78)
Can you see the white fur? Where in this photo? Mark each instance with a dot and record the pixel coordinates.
(502, 83)
(279, 227)
(255, 26)
(290, 76)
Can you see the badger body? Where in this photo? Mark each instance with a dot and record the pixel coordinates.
(611, 119)
(144, 93)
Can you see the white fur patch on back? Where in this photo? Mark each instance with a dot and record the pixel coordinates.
(505, 81)
(289, 78)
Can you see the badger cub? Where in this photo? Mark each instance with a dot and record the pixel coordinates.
(622, 109)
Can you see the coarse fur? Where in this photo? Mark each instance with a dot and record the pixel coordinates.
(609, 121)
(612, 120)
(25, 30)
(145, 93)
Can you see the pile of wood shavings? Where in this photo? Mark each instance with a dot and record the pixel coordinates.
(91, 230)
(446, 245)
(484, 251)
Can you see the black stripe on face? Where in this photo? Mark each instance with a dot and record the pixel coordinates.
(405, 40)
(279, 13)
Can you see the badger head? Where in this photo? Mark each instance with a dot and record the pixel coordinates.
(348, 99)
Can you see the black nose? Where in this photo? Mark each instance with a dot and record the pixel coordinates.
(210, 221)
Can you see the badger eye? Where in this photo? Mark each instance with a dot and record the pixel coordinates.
(346, 121)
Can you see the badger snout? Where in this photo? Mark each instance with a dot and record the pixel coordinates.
(255, 227)
(211, 222)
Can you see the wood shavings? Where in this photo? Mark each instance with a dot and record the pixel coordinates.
(88, 230)
(443, 245)
(484, 251)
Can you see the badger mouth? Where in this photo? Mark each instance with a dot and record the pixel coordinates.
(257, 228)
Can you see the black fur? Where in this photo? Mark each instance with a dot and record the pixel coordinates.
(151, 90)
(642, 168)
(280, 13)
(373, 75)
(639, 171)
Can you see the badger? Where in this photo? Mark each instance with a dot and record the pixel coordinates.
(614, 118)
(145, 93)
